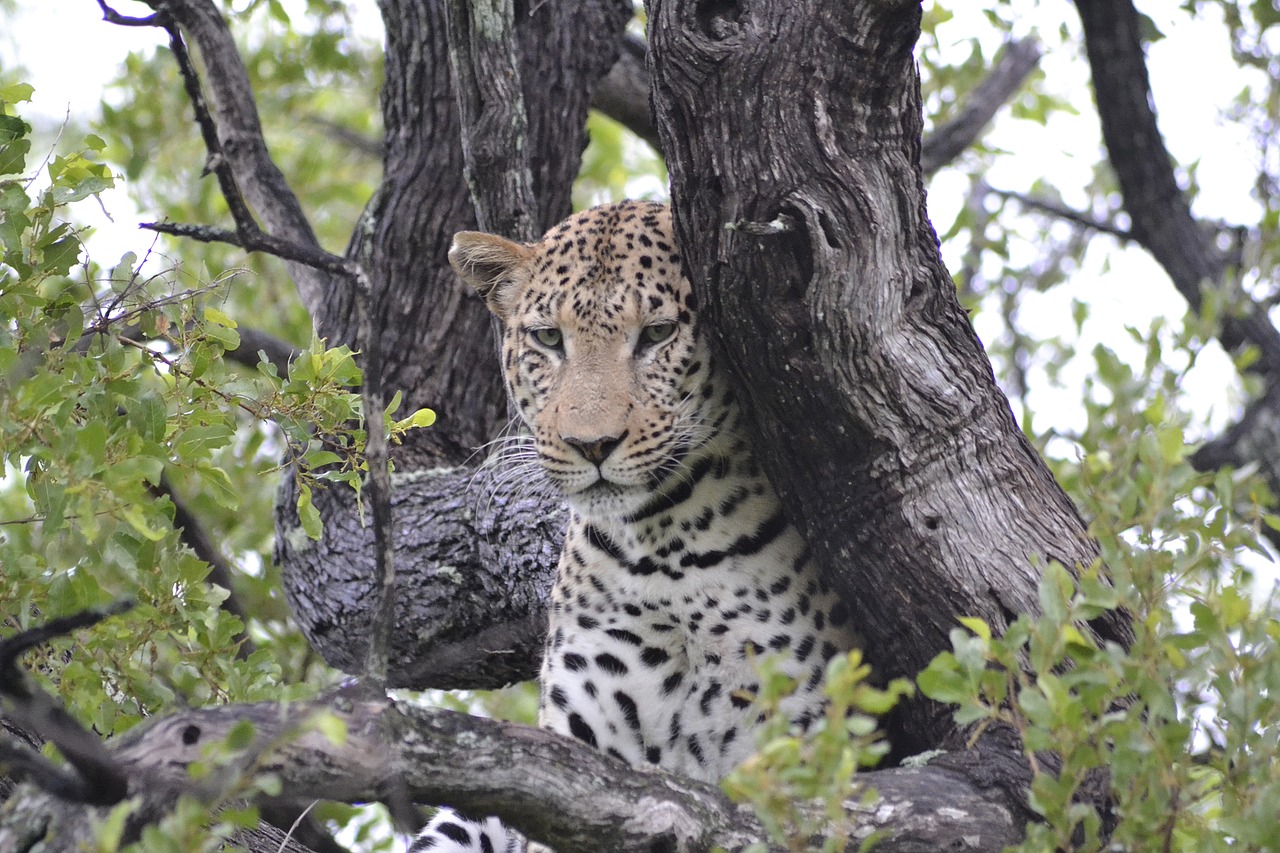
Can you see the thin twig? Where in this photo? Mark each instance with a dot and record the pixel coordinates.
(253, 239)
(1061, 211)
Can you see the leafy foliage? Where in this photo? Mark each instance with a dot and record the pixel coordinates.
(1186, 721)
(798, 783)
(115, 401)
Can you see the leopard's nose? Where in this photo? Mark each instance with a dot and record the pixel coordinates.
(594, 450)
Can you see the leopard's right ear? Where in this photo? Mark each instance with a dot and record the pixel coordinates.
(492, 265)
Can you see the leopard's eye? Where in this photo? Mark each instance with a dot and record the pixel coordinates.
(657, 333)
(549, 338)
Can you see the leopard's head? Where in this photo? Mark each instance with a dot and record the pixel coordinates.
(600, 348)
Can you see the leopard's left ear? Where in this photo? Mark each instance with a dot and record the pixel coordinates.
(492, 265)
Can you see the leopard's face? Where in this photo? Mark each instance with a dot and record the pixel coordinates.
(600, 348)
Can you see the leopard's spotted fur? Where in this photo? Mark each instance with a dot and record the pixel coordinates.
(679, 568)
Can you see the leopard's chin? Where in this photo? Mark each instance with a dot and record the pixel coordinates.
(605, 499)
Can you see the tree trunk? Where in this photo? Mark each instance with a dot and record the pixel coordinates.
(474, 564)
(874, 406)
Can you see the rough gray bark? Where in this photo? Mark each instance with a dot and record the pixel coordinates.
(871, 397)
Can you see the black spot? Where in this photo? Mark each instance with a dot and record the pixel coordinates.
(578, 728)
(742, 546)
(455, 833)
(611, 664)
(805, 647)
(717, 630)
(486, 846)
(654, 657)
(190, 735)
(589, 687)
(695, 749)
(839, 614)
(629, 710)
(708, 696)
(779, 642)
(671, 682)
(625, 636)
(574, 662)
(559, 698)
(586, 623)
(683, 489)
(653, 755)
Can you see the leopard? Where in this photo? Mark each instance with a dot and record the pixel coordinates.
(680, 570)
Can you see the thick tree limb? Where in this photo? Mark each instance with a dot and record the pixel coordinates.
(890, 439)
(623, 93)
(874, 407)
(1010, 68)
(548, 786)
(471, 604)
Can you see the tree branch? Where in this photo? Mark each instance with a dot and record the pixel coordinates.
(623, 93)
(495, 124)
(220, 569)
(237, 141)
(96, 778)
(1011, 67)
(1161, 215)
(550, 787)
(1061, 211)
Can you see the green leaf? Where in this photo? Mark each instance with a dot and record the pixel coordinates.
(81, 189)
(976, 625)
(240, 736)
(213, 315)
(13, 155)
(136, 516)
(420, 418)
(149, 417)
(16, 93)
(308, 515)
